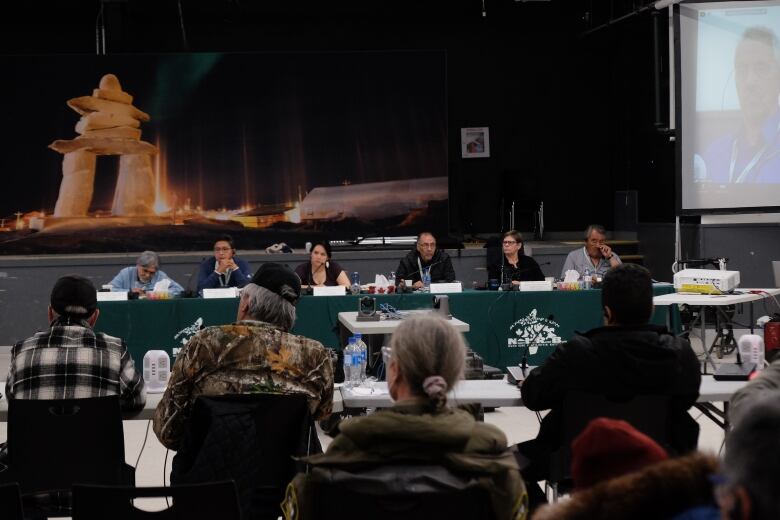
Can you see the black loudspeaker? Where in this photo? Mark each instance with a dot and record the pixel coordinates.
(626, 211)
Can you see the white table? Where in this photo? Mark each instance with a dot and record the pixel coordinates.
(385, 326)
(495, 393)
(714, 300)
(152, 400)
(490, 393)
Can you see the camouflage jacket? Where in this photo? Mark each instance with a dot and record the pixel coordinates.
(248, 356)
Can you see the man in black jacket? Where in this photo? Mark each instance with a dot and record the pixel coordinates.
(425, 258)
(625, 358)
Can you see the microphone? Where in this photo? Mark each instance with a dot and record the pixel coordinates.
(188, 292)
(524, 360)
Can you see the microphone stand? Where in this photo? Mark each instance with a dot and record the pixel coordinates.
(524, 360)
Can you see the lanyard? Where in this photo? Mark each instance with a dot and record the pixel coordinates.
(751, 164)
(223, 277)
(589, 261)
(423, 272)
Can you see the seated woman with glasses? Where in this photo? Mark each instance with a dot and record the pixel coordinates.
(419, 431)
(224, 269)
(514, 266)
(320, 270)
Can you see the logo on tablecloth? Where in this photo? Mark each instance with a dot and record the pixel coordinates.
(184, 335)
(533, 332)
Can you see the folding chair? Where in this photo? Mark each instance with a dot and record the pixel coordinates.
(250, 439)
(55, 443)
(647, 413)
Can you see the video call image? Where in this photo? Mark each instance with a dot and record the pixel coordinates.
(730, 84)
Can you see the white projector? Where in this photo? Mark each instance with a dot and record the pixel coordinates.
(706, 281)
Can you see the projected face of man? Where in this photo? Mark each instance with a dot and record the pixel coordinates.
(426, 246)
(757, 75)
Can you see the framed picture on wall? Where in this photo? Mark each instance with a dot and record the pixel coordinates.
(475, 142)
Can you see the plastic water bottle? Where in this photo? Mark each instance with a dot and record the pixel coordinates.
(355, 287)
(349, 352)
(363, 351)
(587, 279)
(426, 280)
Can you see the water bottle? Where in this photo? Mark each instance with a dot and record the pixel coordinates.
(349, 351)
(587, 279)
(363, 350)
(426, 280)
(355, 288)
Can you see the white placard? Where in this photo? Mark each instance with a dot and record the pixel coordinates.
(334, 290)
(543, 285)
(222, 292)
(442, 288)
(118, 296)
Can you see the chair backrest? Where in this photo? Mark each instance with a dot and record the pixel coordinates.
(250, 439)
(391, 492)
(647, 413)
(10, 502)
(190, 502)
(55, 443)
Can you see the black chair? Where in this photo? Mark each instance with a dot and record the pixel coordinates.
(10, 502)
(53, 444)
(250, 439)
(412, 492)
(191, 502)
(647, 413)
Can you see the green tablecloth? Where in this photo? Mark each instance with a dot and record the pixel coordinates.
(503, 324)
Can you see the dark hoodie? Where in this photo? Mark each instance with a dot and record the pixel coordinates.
(440, 265)
(619, 362)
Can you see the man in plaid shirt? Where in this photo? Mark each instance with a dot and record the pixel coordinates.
(70, 360)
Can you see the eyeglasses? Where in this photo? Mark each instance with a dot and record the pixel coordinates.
(387, 352)
(509, 242)
(148, 271)
(219, 249)
(427, 245)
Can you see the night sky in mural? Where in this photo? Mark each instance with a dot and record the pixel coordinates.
(236, 132)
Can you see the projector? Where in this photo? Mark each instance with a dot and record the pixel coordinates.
(706, 281)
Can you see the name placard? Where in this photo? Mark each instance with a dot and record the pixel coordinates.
(543, 285)
(118, 296)
(443, 288)
(221, 292)
(334, 290)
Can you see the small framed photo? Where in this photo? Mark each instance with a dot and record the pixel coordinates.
(475, 142)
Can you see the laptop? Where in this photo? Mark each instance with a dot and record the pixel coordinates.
(776, 269)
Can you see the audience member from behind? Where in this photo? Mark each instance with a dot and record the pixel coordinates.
(143, 276)
(608, 449)
(750, 489)
(595, 256)
(425, 258)
(427, 358)
(627, 357)
(255, 354)
(320, 270)
(765, 384)
(224, 269)
(70, 360)
(515, 266)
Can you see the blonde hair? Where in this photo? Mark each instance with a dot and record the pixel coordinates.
(430, 355)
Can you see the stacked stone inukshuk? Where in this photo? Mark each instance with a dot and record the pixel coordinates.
(109, 125)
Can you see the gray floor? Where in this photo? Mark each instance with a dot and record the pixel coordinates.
(519, 424)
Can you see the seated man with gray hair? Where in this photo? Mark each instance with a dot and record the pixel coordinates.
(143, 276)
(255, 354)
(596, 257)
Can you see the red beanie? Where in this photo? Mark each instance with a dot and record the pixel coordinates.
(609, 448)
